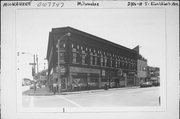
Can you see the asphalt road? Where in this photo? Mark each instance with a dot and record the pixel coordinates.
(109, 98)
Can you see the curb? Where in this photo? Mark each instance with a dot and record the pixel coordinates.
(100, 90)
(79, 92)
(39, 94)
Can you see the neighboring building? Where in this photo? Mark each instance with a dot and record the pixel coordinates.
(89, 62)
(26, 81)
(153, 73)
(141, 67)
(41, 77)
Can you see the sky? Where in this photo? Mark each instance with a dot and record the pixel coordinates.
(126, 27)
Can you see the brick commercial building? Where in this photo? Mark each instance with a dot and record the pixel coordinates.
(88, 62)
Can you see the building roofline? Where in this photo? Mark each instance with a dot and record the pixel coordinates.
(73, 30)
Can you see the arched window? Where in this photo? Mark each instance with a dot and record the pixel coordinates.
(102, 60)
(91, 58)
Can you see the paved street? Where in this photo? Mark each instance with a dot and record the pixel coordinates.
(113, 98)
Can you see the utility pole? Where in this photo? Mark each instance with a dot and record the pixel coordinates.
(34, 64)
(37, 63)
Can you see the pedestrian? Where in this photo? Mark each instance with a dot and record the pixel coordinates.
(106, 87)
(54, 88)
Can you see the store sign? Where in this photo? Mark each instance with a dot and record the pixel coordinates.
(103, 73)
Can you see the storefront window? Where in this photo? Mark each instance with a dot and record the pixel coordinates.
(94, 81)
(79, 81)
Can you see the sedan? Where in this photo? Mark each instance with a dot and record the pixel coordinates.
(146, 84)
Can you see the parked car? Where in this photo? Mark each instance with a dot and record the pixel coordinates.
(146, 84)
(32, 86)
(156, 83)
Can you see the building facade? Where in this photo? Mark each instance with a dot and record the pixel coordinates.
(88, 62)
(153, 73)
(142, 69)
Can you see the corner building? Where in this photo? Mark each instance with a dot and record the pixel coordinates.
(88, 62)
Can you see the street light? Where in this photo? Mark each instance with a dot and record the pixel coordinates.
(34, 63)
(59, 72)
(34, 67)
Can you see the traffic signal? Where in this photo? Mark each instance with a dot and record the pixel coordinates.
(33, 71)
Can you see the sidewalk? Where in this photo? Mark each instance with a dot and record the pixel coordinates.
(44, 91)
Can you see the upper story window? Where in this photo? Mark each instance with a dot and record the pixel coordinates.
(91, 58)
(74, 57)
(84, 58)
(62, 57)
(95, 59)
(102, 60)
(98, 60)
(111, 62)
(62, 52)
(105, 61)
(116, 63)
(122, 63)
